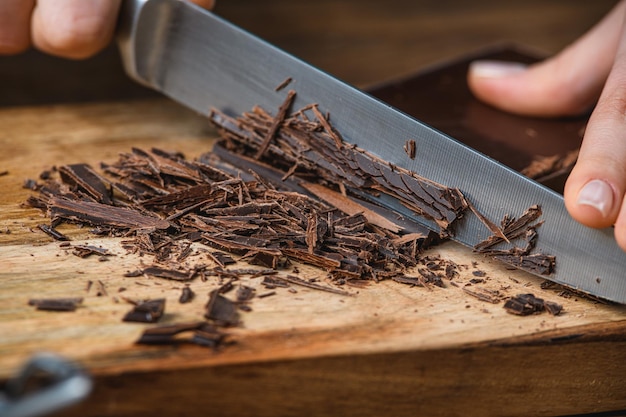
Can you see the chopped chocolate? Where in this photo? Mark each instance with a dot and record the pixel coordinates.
(350, 206)
(512, 229)
(553, 308)
(298, 281)
(430, 277)
(102, 291)
(187, 295)
(244, 293)
(483, 294)
(520, 257)
(56, 304)
(409, 148)
(543, 167)
(526, 304)
(86, 181)
(269, 282)
(283, 84)
(537, 263)
(278, 120)
(221, 310)
(83, 251)
(314, 149)
(208, 336)
(201, 333)
(100, 214)
(52, 232)
(171, 274)
(30, 184)
(147, 311)
(266, 294)
(413, 281)
(221, 258)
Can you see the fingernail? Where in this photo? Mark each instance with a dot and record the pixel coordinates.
(597, 194)
(496, 69)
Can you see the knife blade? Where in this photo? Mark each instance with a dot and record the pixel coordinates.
(203, 62)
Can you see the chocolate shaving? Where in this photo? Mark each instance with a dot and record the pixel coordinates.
(87, 181)
(147, 311)
(99, 214)
(221, 310)
(244, 293)
(56, 304)
(350, 206)
(283, 84)
(171, 274)
(483, 294)
(519, 257)
(327, 127)
(280, 117)
(409, 148)
(200, 333)
(298, 281)
(222, 259)
(84, 251)
(547, 166)
(102, 290)
(186, 296)
(52, 232)
(497, 232)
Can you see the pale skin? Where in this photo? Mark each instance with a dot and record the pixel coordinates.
(68, 28)
(590, 72)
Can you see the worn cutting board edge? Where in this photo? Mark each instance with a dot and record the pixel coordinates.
(383, 317)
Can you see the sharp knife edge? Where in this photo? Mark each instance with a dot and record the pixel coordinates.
(202, 61)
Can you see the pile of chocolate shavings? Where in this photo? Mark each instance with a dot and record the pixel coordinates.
(162, 204)
(523, 228)
(308, 146)
(275, 190)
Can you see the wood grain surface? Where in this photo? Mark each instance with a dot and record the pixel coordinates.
(390, 349)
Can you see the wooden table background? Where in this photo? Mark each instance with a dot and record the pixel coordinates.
(360, 41)
(462, 362)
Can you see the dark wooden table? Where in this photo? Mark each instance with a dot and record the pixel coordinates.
(360, 41)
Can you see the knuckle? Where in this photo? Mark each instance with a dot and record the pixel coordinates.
(80, 37)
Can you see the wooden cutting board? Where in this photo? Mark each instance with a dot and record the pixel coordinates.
(389, 348)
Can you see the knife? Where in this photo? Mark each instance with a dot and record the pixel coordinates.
(203, 62)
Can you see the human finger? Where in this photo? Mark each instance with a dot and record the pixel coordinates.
(594, 192)
(15, 25)
(74, 28)
(566, 84)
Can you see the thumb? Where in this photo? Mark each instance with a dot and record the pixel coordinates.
(567, 84)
